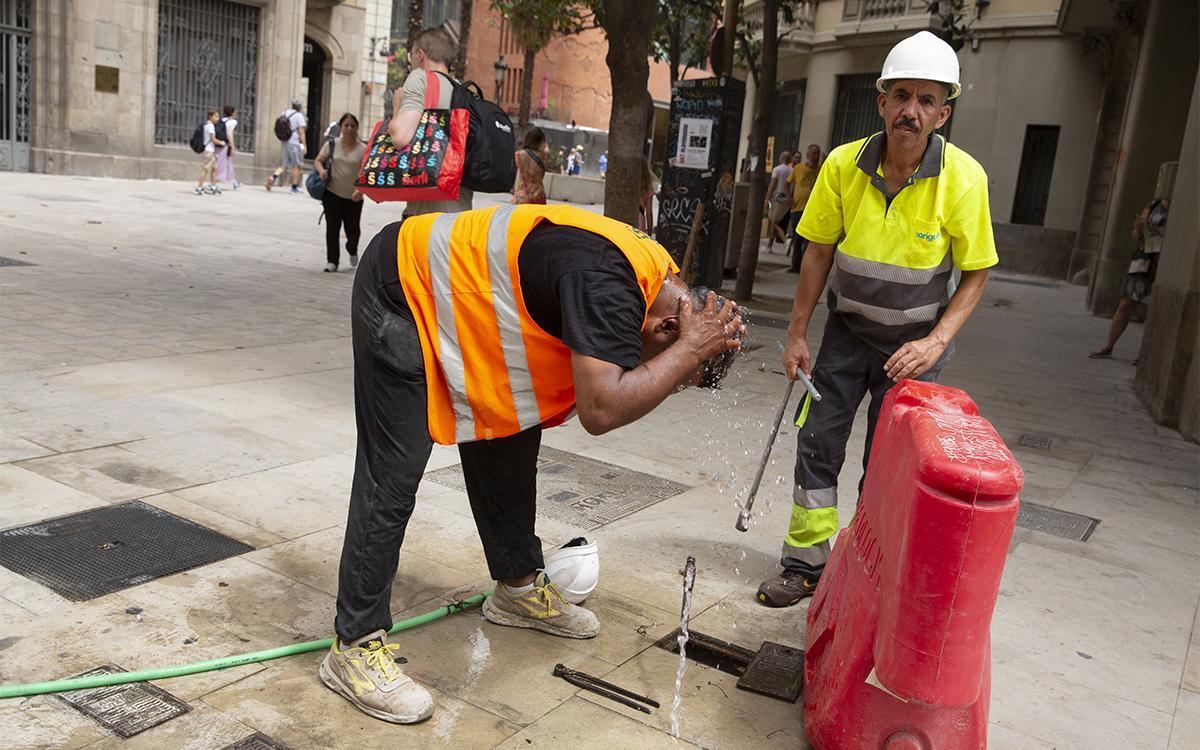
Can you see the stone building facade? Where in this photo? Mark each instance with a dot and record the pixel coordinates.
(118, 86)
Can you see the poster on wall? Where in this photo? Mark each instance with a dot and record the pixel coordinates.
(695, 143)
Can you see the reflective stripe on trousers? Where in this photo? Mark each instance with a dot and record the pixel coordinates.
(814, 521)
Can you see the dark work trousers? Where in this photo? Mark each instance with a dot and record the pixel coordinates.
(393, 449)
(846, 370)
(796, 244)
(339, 212)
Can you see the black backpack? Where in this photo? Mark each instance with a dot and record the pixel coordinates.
(283, 127)
(197, 140)
(220, 133)
(489, 165)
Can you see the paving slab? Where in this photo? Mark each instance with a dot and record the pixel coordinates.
(190, 353)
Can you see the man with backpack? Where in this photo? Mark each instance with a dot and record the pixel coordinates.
(205, 142)
(290, 129)
(431, 55)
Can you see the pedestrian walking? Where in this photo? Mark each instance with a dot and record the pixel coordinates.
(1148, 229)
(208, 156)
(291, 129)
(564, 308)
(531, 168)
(779, 200)
(337, 164)
(891, 216)
(433, 52)
(224, 156)
(602, 163)
(561, 161)
(800, 182)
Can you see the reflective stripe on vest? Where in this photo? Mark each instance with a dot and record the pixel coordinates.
(490, 370)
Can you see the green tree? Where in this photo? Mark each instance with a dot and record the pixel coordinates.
(761, 57)
(534, 23)
(629, 27)
(682, 33)
(467, 8)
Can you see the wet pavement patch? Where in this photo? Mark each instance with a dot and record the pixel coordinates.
(256, 741)
(99, 551)
(1057, 522)
(582, 491)
(125, 709)
(14, 262)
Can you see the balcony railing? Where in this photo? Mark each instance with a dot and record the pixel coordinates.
(868, 10)
(803, 19)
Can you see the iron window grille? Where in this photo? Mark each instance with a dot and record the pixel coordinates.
(16, 22)
(1033, 179)
(207, 58)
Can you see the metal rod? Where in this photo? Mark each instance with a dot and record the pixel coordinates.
(606, 689)
(743, 521)
(561, 670)
(808, 385)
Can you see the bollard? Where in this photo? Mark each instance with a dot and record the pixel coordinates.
(899, 651)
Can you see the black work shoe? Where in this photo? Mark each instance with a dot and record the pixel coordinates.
(787, 588)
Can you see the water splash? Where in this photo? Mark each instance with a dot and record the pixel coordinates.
(689, 578)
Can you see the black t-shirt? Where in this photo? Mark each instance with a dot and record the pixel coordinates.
(578, 287)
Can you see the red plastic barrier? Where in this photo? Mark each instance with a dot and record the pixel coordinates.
(899, 651)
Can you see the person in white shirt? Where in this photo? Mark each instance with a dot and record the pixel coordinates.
(292, 150)
(225, 155)
(207, 157)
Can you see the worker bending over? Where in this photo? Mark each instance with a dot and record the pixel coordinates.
(481, 329)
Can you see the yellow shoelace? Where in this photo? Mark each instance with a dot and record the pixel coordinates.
(549, 596)
(382, 659)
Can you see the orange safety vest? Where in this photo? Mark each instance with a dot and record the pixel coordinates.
(490, 370)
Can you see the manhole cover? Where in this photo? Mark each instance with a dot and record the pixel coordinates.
(89, 554)
(257, 741)
(1057, 522)
(776, 670)
(581, 491)
(125, 709)
(1034, 440)
(14, 262)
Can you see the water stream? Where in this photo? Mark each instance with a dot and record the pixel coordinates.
(689, 577)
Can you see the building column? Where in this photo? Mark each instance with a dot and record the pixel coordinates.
(1169, 362)
(1150, 135)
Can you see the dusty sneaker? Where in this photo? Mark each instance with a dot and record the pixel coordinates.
(365, 673)
(542, 608)
(787, 588)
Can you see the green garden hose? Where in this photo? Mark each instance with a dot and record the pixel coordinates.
(162, 673)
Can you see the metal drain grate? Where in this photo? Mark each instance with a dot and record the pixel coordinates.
(581, 491)
(96, 552)
(14, 262)
(1034, 440)
(125, 709)
(257, 741)
(776, 670)
(1057, 522)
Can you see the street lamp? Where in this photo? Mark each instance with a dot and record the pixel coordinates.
(501, 68)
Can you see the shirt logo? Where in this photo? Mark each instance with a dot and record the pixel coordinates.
(928, 237)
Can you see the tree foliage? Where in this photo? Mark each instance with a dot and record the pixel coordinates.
(682, 33)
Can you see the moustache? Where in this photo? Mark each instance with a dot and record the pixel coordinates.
(906, 122)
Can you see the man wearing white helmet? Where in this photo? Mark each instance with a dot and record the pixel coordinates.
(896, 217)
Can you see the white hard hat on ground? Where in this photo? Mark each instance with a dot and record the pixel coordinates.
(921, 56)
(574, 569)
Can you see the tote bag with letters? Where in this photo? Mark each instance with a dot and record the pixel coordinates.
(429, 168)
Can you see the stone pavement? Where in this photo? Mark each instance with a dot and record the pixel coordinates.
(187, 351)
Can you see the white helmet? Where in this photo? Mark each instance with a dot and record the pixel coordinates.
(574, 569)
(922, 56)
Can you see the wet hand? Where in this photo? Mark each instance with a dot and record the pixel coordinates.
(797, 356)
(914, 358)
(707, 331)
